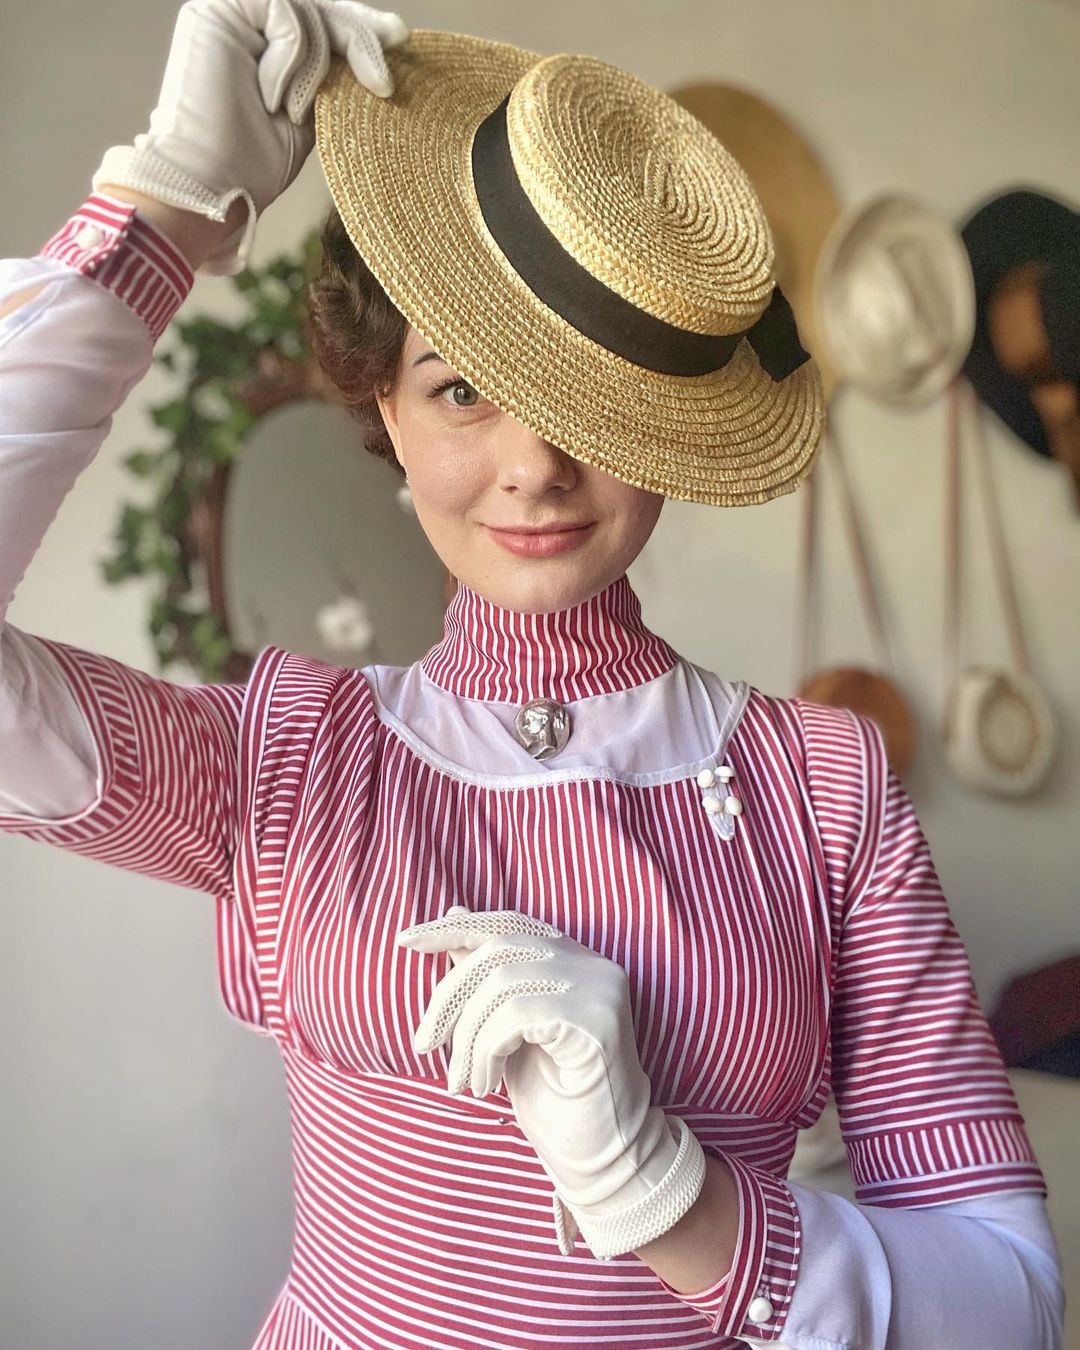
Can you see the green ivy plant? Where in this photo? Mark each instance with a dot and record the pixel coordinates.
(219, 366)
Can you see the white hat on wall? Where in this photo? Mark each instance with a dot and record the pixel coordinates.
(895, 300)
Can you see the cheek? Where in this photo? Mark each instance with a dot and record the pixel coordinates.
(446, 472)
(635, 511)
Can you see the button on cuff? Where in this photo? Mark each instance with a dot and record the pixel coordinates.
(760, 1310)
(90, 236)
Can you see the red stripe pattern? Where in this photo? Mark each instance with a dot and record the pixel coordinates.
(108, 241)
(598, 647)
(167, 805)
(813, 947)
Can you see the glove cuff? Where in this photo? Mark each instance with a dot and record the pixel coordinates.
(145, 171)
(626, 1229)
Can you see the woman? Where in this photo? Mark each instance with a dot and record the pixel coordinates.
(561, 937)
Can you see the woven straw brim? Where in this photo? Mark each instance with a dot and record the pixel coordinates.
(399, 172)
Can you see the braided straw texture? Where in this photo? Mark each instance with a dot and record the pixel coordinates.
(638, 192)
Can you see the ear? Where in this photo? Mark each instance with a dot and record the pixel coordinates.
(388, 412)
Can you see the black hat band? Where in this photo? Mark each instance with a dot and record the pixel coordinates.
(594, 309)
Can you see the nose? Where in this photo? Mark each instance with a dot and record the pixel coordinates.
(531, 465)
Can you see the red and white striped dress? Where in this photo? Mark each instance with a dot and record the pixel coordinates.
(326, 808)
(802, 944)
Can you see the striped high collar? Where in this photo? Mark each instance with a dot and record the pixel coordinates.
(499, 655)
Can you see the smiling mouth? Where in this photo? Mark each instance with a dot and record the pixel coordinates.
(541, 541)
(557, 528)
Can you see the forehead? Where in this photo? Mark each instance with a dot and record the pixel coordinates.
(417, 348)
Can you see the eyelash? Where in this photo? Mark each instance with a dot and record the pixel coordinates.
(449, 384)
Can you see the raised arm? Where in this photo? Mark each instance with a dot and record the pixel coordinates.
(78, 321)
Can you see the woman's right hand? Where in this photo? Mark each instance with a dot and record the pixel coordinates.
(235, 113)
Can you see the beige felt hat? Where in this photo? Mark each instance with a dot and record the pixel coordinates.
(792, 185)
(584, 252)
(895, 299)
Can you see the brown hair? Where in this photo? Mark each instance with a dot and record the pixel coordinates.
(357, 334)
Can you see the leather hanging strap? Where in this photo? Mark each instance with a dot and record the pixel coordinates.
(807, 595)
(961, 391)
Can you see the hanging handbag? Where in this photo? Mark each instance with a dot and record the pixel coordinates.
(999, 731)
(868, 691)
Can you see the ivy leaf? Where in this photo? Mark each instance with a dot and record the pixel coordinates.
(240, 420)
(174, 509)
(199, 331)
(173, 416)
(131, 523)
(224, 447)
(282, 269)
(165, 559)
(160, 616)
(143, 462)
(192, 436)
(121, 567)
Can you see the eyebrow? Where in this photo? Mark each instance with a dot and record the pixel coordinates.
(428, 356)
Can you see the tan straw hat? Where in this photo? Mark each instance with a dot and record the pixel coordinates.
(585, 253)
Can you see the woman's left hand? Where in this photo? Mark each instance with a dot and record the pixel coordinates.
(526, 1003)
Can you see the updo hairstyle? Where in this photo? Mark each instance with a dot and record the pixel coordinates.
(357, 334)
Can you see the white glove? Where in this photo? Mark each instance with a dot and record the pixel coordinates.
(528, 1003)
(235, 113)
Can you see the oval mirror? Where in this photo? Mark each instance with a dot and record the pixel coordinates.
(318, 557)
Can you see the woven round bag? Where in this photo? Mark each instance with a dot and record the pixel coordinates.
(1000, 734)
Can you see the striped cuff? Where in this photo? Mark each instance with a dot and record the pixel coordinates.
(107, 240)
(938, 1164)
(752, 1299)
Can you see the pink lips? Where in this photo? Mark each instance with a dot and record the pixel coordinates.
(541, 542)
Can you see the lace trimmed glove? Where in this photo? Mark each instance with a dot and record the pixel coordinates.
(528, 1004)
(234, 116)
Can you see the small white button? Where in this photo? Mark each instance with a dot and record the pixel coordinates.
(760, 1310)
(713, 805)
(733, 806)
(725, 774)
(706, 778)
(89, 236)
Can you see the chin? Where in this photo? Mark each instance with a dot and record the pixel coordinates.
(538, 587)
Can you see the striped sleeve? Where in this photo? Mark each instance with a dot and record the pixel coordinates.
(926, 1108)
(167, 790)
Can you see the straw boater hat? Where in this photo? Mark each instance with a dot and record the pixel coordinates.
(895, 299)
(585, 253)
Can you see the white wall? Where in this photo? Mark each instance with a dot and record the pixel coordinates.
(145, 1184)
